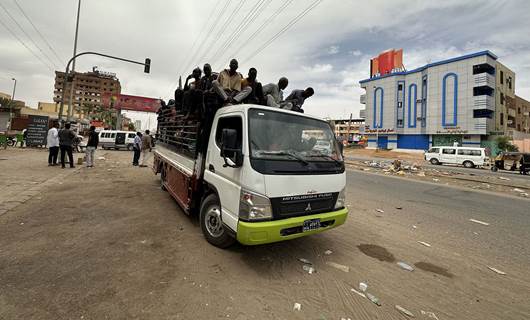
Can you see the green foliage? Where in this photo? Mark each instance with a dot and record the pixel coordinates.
(4, 102)
(504, 144)
(131, 127)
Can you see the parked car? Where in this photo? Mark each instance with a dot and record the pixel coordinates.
(115, 139)
(469, 157)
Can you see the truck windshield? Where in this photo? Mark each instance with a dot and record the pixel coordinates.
(280, 136)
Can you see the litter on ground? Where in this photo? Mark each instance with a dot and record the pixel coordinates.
(424, 243)
(404, 311)
(363, 286)
(308, 268)
(479, 222)
(429, 314)
(297, 306)
(338, 266)
(405, 266)
(328, 252)
(304, 261)
(358, 292)
(497, 270)
(373, 298)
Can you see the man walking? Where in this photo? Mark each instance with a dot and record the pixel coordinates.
(136, 148)
(53, 144)
(146, 148)
(91, 146)
(66, 139)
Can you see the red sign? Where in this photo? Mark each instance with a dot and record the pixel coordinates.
(386, 62)
(129, 102)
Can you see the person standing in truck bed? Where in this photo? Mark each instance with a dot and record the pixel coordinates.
(297, 98)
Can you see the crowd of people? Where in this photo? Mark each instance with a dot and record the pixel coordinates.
(62, 140)
(230, 87)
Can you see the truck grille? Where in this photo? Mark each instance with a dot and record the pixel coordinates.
(301, 205)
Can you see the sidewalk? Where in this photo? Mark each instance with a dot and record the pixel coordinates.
(24, 173)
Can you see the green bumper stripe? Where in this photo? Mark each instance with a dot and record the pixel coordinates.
(252, 233)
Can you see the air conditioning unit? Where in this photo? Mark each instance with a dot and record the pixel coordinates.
(419, 101)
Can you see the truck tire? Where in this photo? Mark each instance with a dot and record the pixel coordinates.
(211, 224)
(434, 161)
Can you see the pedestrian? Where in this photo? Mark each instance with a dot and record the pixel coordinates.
(146, 148)
(91, 146)
(66, 139)
(137, 147)
(53, 144)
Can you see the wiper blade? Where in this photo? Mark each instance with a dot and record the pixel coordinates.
(284, 153)
(325, 156)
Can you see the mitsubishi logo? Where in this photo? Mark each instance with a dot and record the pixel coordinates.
(308, 208)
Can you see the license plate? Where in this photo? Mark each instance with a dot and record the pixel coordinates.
(312, 224)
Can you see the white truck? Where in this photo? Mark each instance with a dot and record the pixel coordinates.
(252, 173)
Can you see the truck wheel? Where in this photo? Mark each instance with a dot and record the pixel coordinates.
(468, 164)
(494, 169)
(211, 224)
(435, 161)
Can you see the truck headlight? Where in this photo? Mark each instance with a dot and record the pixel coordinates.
(253, 206)
(341, 199)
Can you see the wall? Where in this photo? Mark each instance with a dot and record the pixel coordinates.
(504, 88)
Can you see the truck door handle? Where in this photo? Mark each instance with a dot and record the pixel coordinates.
(211, 168)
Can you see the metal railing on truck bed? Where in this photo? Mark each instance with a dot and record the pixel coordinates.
(178, 132)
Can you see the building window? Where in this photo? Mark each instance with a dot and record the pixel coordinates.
(502, 77)
(510, 82)
(378, 99)
(502, 98)
(518, 110)
(400, 123)
(502, 119)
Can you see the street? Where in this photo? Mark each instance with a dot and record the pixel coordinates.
(108, 243)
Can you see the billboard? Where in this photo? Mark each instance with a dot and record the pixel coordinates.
(386, 62)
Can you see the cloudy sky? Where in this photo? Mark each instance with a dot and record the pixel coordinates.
(328, 48)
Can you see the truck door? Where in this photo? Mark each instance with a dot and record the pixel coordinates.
(448, 155)
(226, 180)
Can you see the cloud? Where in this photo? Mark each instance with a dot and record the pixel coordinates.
(319, 68)
(333, 50)
(356, 53)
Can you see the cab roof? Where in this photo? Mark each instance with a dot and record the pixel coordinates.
(245, 107)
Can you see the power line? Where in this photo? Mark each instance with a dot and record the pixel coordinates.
(285, 28)
(61, 61)
(249, 18)
(222, 29)
(182, 65)
(263, 25)
(212, 27)
(27, 35)
(26, 46)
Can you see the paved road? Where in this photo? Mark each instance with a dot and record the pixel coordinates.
(445, 212)
(107, 243)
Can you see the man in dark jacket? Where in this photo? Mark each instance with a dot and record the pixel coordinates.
(66, 139)
(91, 146)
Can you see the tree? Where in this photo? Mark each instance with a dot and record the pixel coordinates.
(4, 102)
(504, 144)
(132, 127)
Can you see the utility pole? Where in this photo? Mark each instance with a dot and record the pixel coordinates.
(11, 102)
(70, 102)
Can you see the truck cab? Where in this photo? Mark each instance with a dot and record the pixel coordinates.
(260, 177)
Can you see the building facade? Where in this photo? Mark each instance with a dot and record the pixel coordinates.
(89, 87)
(349, 129)
(522, 115)
(441, 103)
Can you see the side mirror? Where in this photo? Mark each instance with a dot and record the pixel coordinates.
(230, 149)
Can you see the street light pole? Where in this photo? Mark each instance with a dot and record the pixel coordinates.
(12, 100)
(70, 107)
(146, 64)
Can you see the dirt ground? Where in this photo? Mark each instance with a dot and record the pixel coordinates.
(107, 243)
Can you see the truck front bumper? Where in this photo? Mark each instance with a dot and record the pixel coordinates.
(253, 233)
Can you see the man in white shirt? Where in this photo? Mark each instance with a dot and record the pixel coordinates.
(53, 144)
(274, 94)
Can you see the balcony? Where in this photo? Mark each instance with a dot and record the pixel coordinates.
(483, 102)
(363, 99)
(481, 124)
(484, 79)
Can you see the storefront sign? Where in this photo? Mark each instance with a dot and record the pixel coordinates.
(37, 131)
(452, 130)
(391, 130)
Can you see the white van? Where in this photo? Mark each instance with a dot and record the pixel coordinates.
(469, 157)
(115, 139)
